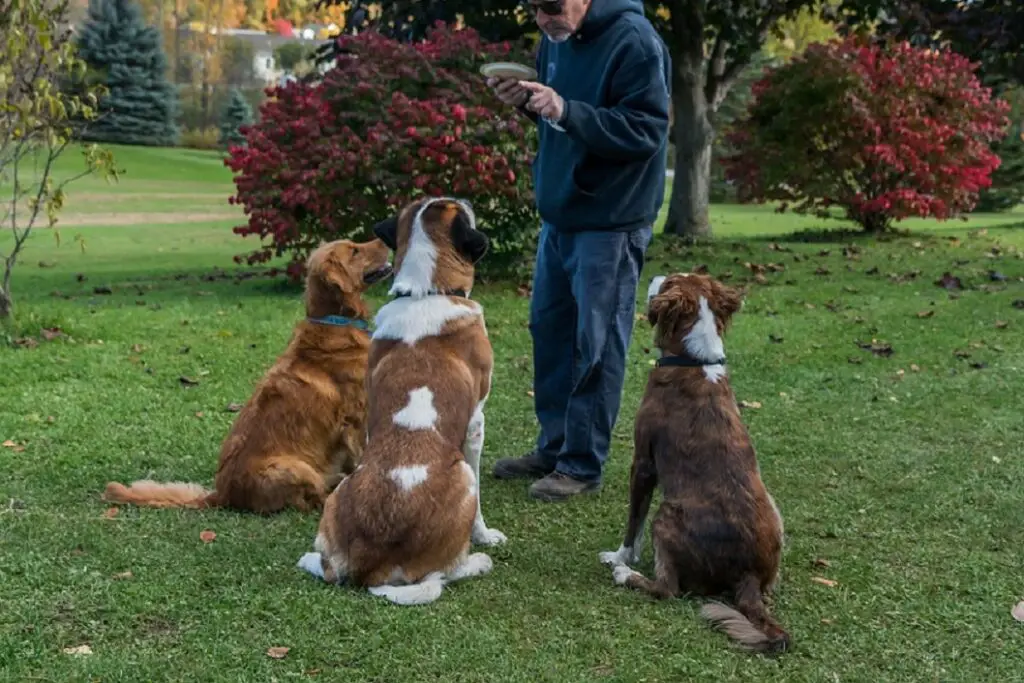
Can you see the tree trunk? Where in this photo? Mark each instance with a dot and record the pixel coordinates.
(692, 135)
(6, 305)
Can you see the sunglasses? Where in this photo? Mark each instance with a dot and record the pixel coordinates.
(552, 8)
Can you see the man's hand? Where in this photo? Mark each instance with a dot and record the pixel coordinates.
(544, 101)
(509, 91)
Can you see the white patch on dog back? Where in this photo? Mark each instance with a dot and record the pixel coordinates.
(703, 342)
(416, 276)
(470, 478)
(655, 287)
(408, 320)
(419, 413)
(409, 478)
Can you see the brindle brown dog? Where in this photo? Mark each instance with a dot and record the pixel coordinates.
(717, 531)
(303, 428)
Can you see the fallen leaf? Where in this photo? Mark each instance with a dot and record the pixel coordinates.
(826, 622)
(122, 576)
(187, 381)
(137, 348)
(775, 340)
(1018, 611)
(702, 269)
(925, 314)
(234, 407)
(853, 360)
(949, 281)
(915, 368)
(878, 348)
(824, 252)
(821, 562)
(530, 394)
(78, 650)
(810, 306)
(750, 404)
(872, 271)
(102, 290)
(962, 354)
(822, 270)
(207, 536)
(277, 652)
(979, 365)
(80, 277)
(10, 444)
(1018, 303)
(51, 333)
(200, 414)
(916, 245)
(996, 276)
(1001, 324)
(824, 582)
(111, 512)
(47, 264)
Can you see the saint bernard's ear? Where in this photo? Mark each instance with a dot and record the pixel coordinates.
(387, 232)
(468, 241)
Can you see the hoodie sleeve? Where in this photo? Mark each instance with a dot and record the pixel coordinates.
(635, 125)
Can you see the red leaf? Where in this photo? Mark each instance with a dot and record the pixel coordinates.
(207, 536)
(278, 652)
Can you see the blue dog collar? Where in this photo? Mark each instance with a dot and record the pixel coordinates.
(340, 321)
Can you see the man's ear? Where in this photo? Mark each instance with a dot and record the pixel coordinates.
(467, 240)
(387, 232)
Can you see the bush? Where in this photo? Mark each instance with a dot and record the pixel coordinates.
(881, 135)
(201, 138)
(387, 123)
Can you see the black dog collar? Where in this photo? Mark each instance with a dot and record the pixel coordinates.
(687, 362)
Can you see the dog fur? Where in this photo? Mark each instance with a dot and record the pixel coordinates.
(717, 531)
(401, 525)
(304, 426)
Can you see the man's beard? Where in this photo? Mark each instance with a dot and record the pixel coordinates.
(559, 33)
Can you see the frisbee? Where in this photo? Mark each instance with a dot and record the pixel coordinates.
(509, 70)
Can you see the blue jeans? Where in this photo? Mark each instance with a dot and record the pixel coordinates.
(581, 319)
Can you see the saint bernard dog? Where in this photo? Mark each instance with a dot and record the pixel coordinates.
(401, 525)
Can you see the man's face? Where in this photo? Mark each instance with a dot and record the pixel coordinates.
(559, 19)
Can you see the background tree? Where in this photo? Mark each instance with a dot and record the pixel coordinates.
(128, 58)
(38, 121)
(237, 113)
(1007, 190)
(881, 135)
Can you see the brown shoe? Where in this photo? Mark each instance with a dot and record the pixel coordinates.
(530, 466)
(557, 487)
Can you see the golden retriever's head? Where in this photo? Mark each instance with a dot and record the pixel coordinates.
(690, 312)
(338, 272)
(436, 244)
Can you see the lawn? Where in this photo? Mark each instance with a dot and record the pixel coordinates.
(897, 472)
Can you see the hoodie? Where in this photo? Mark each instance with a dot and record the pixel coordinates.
(602, 167)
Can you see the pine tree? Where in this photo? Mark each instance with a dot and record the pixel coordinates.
(235, 114)
(1007, 190)
(128, 57)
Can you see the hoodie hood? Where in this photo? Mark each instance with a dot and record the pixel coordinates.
(604, 12)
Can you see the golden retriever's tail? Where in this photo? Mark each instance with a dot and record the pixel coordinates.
(148, 493)
(749, 625)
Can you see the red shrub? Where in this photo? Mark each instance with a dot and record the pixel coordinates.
(884, 135)
(388, 122)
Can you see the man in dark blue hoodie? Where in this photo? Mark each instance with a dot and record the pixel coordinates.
(602, 106)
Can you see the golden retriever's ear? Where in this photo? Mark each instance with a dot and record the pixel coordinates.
(467, 240)
(387, 232)
(725, 301)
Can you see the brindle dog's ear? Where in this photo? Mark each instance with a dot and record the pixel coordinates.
(468, 241)
(387, 232)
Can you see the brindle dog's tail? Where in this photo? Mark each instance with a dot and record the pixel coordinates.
(749, 624)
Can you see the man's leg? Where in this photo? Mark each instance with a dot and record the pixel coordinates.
(605, 270)
(552, 315)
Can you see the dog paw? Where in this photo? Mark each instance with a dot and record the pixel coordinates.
(621, 574)
(479, 564)
(310, 562)
(623, 555)
(485, 536)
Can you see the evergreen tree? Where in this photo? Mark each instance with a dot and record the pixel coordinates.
(1007, 190)
(127, 56)
(235, 114)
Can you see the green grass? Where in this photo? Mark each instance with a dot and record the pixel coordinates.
(906, 481)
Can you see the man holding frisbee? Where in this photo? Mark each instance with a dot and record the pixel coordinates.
(601, 101)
